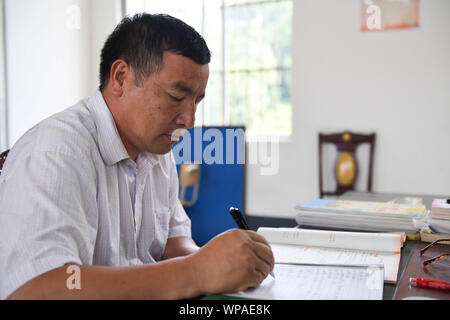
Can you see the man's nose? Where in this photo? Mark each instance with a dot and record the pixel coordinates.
(187, 117)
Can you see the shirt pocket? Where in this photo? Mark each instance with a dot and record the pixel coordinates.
(163, 220)
(162, 225)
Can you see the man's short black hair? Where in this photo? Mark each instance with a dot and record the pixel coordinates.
(141, 40)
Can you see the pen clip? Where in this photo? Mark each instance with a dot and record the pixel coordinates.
(239, 218)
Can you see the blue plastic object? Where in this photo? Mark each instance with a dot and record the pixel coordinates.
(221, 153)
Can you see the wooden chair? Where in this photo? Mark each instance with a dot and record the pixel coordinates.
(3, 156)
(346, 166)
(189, 179)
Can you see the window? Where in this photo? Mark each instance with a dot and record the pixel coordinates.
(250, 70)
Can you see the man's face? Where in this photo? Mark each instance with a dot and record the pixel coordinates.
(163, 102)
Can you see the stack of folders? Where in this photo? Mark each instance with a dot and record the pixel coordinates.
(439, 218)
(362, 215)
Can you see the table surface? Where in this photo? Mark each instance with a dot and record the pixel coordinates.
(413, 268)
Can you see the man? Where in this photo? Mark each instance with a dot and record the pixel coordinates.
(95, 186)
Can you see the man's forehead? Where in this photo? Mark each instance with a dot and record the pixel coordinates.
(183, 74)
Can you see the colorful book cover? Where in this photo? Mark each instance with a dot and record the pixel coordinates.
(440, 204)
(365, 207)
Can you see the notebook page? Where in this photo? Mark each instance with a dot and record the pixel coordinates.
(319, 282)
(306, 254)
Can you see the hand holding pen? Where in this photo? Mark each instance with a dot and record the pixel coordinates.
(242, 223)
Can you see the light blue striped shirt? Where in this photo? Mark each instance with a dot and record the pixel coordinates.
(69, 193)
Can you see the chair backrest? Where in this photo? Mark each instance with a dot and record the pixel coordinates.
(189, 178)
(346, 166)
(3, 156)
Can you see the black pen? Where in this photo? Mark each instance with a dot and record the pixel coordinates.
(242, 223)
(239, 218)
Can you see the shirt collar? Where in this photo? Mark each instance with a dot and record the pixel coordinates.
(110, 144)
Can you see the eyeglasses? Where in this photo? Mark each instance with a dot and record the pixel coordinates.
(427, 262)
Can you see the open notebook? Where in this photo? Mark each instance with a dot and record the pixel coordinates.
(319, 282)
(304, 246)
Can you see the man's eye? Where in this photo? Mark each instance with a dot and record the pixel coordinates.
(176, 99)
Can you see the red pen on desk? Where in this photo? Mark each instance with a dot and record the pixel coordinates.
(430, 283)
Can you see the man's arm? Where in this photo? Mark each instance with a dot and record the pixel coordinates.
(165, 280)
(232, 261)
(179, 246)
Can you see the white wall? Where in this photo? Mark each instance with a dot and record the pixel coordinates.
(51, 62)
(46, 61)
(396, 83)
(104, 15)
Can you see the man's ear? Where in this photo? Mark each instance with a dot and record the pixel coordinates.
(119, 75)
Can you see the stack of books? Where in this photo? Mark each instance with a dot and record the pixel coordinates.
(439, 218)
(362, 215)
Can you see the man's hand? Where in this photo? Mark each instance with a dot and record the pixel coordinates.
(234, 260)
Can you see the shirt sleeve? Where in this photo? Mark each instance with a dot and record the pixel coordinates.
(45, 217)
(180, 224)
